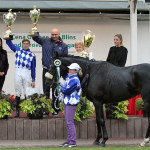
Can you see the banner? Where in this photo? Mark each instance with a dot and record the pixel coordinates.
(68, 37)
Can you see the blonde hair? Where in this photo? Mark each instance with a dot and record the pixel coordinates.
(79, 43)
(121, 39)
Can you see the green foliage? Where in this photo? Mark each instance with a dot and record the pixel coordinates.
(9, 98)
(5, 108)
(121, 110)
(139, 104)
(6, 104)
(84, 109)
(28, 106)
(37, 102)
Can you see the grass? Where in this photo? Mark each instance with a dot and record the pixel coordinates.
(81, 148)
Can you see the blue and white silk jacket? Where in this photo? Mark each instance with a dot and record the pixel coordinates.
(24, 58)
(71, 90)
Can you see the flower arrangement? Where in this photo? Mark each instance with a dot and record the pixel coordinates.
(36, 105)
(84, 109)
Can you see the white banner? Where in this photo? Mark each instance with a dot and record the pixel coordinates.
(68, 37)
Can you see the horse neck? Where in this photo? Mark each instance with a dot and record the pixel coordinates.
(66, 61)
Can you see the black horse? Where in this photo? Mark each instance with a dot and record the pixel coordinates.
(106, 83)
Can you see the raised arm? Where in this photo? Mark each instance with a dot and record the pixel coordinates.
(37, 38)
(11, 45)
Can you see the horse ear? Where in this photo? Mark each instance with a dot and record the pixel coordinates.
(56, 55)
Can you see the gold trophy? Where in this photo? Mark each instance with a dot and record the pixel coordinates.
(88, 39)
(9, 18)
(34, 15)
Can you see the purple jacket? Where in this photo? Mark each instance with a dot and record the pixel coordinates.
(4, 65)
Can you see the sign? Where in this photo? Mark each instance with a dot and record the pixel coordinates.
(68, 37)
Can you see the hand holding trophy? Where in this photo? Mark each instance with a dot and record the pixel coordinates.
(34, 15)
(9, 18)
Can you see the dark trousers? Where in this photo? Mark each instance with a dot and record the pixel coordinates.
(2, 79)
(46, 90)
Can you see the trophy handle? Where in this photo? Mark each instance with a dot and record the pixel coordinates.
(30, 13)
(15, 15)
(38, 12)
(4, 17)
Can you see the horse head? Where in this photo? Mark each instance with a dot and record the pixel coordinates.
(62, 62)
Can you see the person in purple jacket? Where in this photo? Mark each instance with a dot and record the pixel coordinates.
(4, 65)
(50, 46)
(71, 90)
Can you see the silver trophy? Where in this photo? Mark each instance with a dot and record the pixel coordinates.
(9, 18)
(34, 15)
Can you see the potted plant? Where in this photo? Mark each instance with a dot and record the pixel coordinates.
(7, 105)
(117, 111)
(121, 109)
(36, 105)
(84, 109)
(139, 105)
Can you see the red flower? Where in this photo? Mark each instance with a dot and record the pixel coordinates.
(12, 97)
(50, 99)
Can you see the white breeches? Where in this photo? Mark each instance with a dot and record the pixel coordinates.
(22, 79)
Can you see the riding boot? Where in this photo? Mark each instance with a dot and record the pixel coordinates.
(17, 106)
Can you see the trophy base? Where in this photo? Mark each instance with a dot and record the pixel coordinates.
(6, 37)
(34, 34)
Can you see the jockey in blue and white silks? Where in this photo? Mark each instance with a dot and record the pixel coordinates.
(25, 64)
(71, 90)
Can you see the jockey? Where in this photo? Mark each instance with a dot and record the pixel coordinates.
(25, 62)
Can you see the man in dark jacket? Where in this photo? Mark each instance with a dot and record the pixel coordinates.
(50, 46)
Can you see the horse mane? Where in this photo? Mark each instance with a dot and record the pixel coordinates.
(77, 57)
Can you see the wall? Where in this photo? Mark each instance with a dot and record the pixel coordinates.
(41, 129)
(103, 28)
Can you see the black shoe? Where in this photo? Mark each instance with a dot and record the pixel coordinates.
(55, 114)
(17, 99)
(45, 114)
(71, 145)
(16, 115)
(65, 144)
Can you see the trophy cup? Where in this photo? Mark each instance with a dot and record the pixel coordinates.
(88, 39)
(34, 15)
(9, 18)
